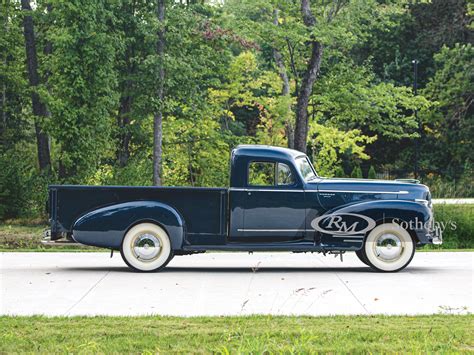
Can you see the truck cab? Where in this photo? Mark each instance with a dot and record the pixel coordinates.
(276, 202)
(267, 195)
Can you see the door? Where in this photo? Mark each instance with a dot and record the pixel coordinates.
(274, 203)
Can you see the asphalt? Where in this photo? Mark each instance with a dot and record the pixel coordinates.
(233, 284)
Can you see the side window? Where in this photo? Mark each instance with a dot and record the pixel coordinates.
(261, 173)
(285, 177)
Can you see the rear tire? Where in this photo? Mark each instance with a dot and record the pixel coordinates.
(146, 247)
(388, 248)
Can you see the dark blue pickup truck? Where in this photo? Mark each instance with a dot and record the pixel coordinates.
(276, 202)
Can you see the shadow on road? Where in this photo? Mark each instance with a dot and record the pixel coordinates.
(250, 269)
(264, 270)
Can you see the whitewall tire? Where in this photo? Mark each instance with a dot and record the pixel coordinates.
(389, 248)
(146, 247)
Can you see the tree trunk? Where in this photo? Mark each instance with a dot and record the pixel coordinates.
(123, 153)
(39, 108)
(158, 117)
(310, 75)
(285, 90)
(3, 123)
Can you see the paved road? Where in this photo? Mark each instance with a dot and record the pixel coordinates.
(232, 284)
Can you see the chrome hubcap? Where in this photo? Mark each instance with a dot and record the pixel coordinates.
(146, 247)
(388, 247)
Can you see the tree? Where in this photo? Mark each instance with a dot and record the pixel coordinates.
(285, 89)
(158, 117)
(82, 87)
(339, 172)
(356, 172)
(372, 174)
(40, 110)
(329, 144)
(451, 120)
(127, 84)
(309, 77)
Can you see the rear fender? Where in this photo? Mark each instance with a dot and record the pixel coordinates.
(106, 227)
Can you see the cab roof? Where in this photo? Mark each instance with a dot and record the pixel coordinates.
(266, 151)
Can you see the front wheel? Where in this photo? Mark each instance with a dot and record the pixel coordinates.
(146, 247)
(388, 248)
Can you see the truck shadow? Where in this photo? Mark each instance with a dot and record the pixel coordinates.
(249, 269)
(268, 269)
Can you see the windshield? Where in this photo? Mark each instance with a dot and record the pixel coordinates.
(305, 168)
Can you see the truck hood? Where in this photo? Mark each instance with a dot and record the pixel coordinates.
(399, 189)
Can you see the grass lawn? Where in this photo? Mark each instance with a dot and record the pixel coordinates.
(21, 235)
(257, 334)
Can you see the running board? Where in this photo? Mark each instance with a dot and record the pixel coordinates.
(302, 247)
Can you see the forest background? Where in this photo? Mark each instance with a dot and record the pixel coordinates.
(136, 92)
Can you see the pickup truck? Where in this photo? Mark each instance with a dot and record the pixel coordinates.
(276, 202)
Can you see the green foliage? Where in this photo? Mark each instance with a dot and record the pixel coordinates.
(22, 190)
(356, 172)
(350, 97)
(372, 174)
(339, 172)
(222, 88)
(330, 143)
(81, 88)
(450, 124)
(457, 222)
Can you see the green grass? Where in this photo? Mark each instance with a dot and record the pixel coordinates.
(254, 334)
(438, 249)
(26, 235)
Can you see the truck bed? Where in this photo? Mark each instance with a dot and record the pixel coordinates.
(203, 209)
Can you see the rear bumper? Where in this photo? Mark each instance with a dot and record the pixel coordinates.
(48, 240)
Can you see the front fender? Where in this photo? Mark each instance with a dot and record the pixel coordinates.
(415, 216)
(106, 226)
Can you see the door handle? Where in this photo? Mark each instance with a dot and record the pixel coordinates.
(249, 193)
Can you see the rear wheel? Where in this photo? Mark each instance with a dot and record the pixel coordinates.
(146, 247)
(388, 247)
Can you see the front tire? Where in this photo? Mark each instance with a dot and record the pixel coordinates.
(146, 247)
(360, 254)
(388, 248)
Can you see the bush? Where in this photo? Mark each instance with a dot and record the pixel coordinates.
(372, 174)
(449, 189)
(459, 225)
(339, 172)
(356, 173)
(22, 189)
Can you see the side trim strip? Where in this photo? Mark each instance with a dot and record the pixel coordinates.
(403, 192)
(367, 192)
(274, 230)
(352, 240)
(263, 190)
(348, 236)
